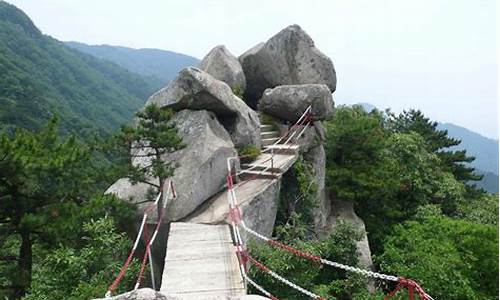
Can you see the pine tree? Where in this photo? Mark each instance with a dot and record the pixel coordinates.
(39, 173)
(146, 143)
(437, 141)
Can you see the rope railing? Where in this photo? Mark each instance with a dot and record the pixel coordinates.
(149, 241)
(237, 221)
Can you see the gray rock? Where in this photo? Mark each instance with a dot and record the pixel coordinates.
(288, 102)
(258, 201)
(289, 57)
(316, 158)
(195, 89)
(224, 66)
(201, 164)
(343, 211)
(150, 294)
(140, 294)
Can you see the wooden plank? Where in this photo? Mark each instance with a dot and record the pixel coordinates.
(201, 263)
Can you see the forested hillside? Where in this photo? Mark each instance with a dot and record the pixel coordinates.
(157, 66)
(40, 77)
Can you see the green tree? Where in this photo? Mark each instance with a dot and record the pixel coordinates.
(145, 144)
(328, 282)
(39, 174)
(451, 259)
(84, 272)
(437, 141)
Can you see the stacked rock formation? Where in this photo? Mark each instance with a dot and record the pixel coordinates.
(279, 78)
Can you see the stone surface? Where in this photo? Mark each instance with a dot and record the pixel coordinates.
(202, 169)
(289, 57)
(201, 164)
(224, 66)
(317, 159)
(195, 89)
(343, 211)
(258, 200)
(288, 102)
(140, 294)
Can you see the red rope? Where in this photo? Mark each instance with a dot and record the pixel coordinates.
(145, 257)
(294, 251)
(412, 287)
(120, 276)
(125, 266)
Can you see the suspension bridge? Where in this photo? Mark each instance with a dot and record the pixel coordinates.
(211, 261)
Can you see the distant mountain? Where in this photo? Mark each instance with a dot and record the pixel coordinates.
(489, 182)
(158, 66)
(367, 106)
(484, 149)
(41, 77)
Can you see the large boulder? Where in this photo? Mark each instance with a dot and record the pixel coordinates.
(289, 57)
(258, 200)
(201, 164)
(195, 89)
(343, 212)
(288, 102)
(224, 66)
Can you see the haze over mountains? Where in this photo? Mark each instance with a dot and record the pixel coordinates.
(98, 88)
(484, 149)
(40, 77)
(157, 66)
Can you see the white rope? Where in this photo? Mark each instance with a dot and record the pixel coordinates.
(363, 272)
(258, 287)
(296, 123)
(292, 285)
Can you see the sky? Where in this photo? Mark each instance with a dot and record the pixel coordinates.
(439, 56)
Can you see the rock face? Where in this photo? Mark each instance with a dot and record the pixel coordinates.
(316, 158)
(224, 66)
(258, 201)
(195, 89)
(343, 211)
(201, 164)
(288, 102)
(289, 57)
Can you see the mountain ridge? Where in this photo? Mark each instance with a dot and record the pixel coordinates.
(156, 65)
(40, 78)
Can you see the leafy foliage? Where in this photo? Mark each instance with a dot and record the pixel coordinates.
(424, 219)
(40, 77)
(45, 186)
(327, 282)
(149, 141)
(452, 259)
(84, 272)
(248, 153)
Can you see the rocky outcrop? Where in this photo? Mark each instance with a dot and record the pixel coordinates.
(343, 211)
(150, 294)
(316, 158)
(195, 89)
(288, 102)
(258, 201)
(201, 164)
(140, 294)
(289, 57)
(224, 66)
